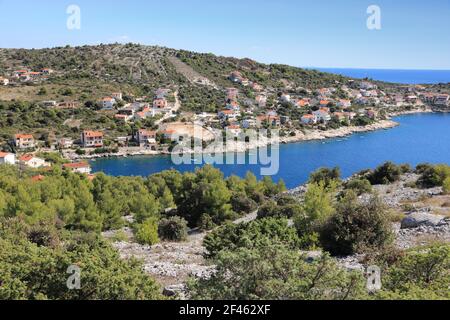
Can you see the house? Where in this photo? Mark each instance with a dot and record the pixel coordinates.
(34, 75)
(92, 139)
(271, 120)
(108, 103)
(46, 71)
(309, 119)
(233, 105)
(228, 114)
(324, 103)
(233, 130)
(24, 77)
(7, 158)
(322, 115)
(146, 138)
(68, 105)
(49, 104)
(116, 96)
(123, 117)
(18, 73)
(24, 141)
(369, 93)
(4, 81)
(285, 98)
(442, 100)
(412, 99)
(65, 143)
(78, 167)
(160, 103)
(344, 103)
(303, 103)
(30, 161)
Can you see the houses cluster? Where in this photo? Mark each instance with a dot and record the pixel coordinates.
(238, 78)
(27, 75)
(139, 110)
(25, 157)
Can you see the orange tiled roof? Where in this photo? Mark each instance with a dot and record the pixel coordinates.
(93, 134)
(26, 157)
(23, 136)
(76, 165)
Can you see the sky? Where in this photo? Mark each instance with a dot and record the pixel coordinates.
(306, 33)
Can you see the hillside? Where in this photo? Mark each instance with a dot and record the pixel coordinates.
(96, 70)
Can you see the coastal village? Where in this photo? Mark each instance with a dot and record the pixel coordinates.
(159, 121)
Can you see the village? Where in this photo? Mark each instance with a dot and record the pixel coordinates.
(293, 111)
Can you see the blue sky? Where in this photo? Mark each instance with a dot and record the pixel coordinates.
(309, 33)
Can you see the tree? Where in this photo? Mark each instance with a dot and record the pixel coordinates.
(147, 231)
(318, 206)
(276, 272)
(385, 174)
(173, 229)
(325, 175)
(249, 235)
(356, 226)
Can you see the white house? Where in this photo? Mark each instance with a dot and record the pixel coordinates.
(309, 119)
(108, 103)
(322, 114)
(78, 167)
(4, 81)
(117, 95)
(30, 161)
(7, 158)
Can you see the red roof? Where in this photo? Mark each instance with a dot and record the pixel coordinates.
(37, 178)
(93, 134)
(3, 154)
(76, 165)
(26, 157)
(23, 136)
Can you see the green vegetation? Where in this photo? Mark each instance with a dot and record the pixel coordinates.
(173, 229)
(34, 264)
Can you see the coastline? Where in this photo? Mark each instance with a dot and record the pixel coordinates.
(240, 147)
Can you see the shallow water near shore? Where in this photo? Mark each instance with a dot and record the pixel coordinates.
(419, 138)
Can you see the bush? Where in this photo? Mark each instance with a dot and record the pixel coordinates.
(173, 229)
(243, 204)
(147, 232)
(406, 168)
(446, 186)
(359, 186)
(325, 175)
(385, 174)
(433, 176)
(258, 233)
(356, 226)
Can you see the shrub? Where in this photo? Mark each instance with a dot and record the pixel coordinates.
(243, 204)
(446, 186)
(406, 168)
(385, 174)
(258, 233)
(147, 232)
(356, 226)
(173, 229)
(433, 176)
(359, 186)
(325, 175)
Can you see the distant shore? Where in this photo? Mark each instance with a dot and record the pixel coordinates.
(239, 147)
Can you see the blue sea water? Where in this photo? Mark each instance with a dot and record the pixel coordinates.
(419, 138)
(395, 76)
